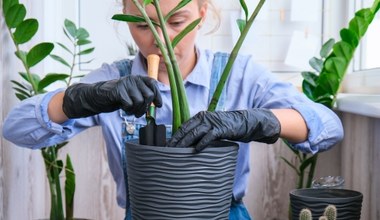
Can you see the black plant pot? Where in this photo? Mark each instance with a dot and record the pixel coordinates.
(177, 183)
(347, 202)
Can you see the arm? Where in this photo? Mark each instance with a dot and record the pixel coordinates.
(293, 126)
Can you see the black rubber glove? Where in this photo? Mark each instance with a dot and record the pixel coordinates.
(133, 94)
(246, 125)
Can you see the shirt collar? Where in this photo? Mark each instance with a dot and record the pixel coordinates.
(200, 75)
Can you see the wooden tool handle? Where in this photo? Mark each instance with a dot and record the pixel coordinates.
(153, 62)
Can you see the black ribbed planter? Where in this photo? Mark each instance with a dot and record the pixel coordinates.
(347, 202)
(177, 183)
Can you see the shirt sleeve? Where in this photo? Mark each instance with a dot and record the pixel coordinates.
(324, 127)
(28, 125)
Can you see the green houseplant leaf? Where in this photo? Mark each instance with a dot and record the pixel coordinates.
(15, 15)
(38, 53)
(25, 31)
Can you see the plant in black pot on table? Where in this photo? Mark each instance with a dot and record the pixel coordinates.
(195, 183)
(22, 31)
(322, 86)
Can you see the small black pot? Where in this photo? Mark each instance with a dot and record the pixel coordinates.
(177, 183)
(347, 202)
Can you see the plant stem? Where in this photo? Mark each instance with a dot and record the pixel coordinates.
(173, 87)
(312, 170)
(183, 103)
(231, 59)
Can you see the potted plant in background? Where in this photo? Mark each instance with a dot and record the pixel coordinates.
(322, 86)
(166, 165)
(21, 31)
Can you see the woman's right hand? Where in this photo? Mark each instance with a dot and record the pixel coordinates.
(133, 94)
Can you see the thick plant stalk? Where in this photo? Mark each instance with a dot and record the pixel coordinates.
(173, 85)
(183, 103)
(231, 59)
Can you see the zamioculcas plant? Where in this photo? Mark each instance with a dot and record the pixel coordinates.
(179, 98)
(21, 31)
(322, 85)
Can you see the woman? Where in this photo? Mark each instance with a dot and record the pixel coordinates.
(257, 108)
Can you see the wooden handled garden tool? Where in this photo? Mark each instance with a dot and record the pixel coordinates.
(152, 134)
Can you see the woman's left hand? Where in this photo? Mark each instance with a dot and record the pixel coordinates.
(246, 125)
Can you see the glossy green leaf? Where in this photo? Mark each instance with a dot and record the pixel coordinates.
(326, 48)
(7, 4)
(35, 77)
(326, 99)
(60, 59)
(350, 37)
(185, 31)
(65, 48)
(71, 28)
(69, 188)
(83, 42)
(241, 24)
(308, 89)
(82, 34)
(316, 64)
(25, 31)
(310, 77)
(132, 18)
(15, 15)
(343, 49)
(180, 5)
(327, 83)
(85, 62)
(358, 25)
(38, 53)
(87, 51)
(21, 55)
(51, 78)
(245, 8)
(336, 65)
(21, 96)
(366, 14)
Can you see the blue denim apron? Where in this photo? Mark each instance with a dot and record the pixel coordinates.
(130, 129)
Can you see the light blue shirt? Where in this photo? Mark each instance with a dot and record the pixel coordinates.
(249, 86)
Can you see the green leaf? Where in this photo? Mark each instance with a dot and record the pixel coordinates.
(65, 48)
(343, 49)
(180, 5)
(290, 164)
(51, 78)
(245, 8)
(15, 15)
(87, 51)
(336, 65)
(185, 31)
(69, 188)
(147, 2)
(38, 53)
(327, 83)
(60, 59)
(350, 37)
(21, 96)
(308, 89)
(310, 77)
(36, 78)
(25, 31)
(21, 55)
(128, 18)
(59, 166)
(83, 42)
(82, 34)
(71, 28)
(85, 62)
(23, 92)
(19, 85)
(326, 99)
(241, 24)
(316, 64)
(366, 14)
(7, 4)
(358, 25)
(326, 48)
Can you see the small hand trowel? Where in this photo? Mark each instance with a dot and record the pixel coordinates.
(152, 134)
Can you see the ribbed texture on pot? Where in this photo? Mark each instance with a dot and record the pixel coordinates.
(347, 202)
(176, 183)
